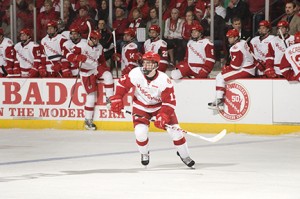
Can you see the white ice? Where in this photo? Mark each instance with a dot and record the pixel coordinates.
(56, 164)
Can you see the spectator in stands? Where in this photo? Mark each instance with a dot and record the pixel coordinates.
(219, 29)
(69, 14)
(137, 21)
(82, 21)
(292, 17)
(6, 55)
(257, 8)
(90, 4)
(173, 36)
(119, 4)
(240, 9)
(103, 11)
(106, 39)
(181, 6)
(166, 9)
(119, 26)
(290, 65)
(142, 5)
(44, 17)
(153, 19)
(238, 25)
(200, 8)
(219, 8)
(276, 49)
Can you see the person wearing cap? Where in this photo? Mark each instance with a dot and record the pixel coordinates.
(129, 54)
(259, 46)
(53, 62)
(157, 45)
(276, 49)
(240, 66)
(199, 59)
(7, 54)
(89, 57)
(290, 62)
(28, 55)
(153, 97)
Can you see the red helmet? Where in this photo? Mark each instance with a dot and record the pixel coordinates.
(151, 56)
(155, 28)
(95, 34)
(297, 37)
(283, 24)
(265, 23)
(25, 31)
(52, 24)
(233, 33)
(130, 31)
(197, 27)
(74, 28)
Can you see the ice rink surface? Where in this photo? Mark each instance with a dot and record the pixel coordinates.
(55, 164)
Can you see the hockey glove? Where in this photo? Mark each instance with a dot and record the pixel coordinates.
(126, 70)
(66, 73)
(43, 72)
(116, 103)
(116, 57)
(17, 71)
(80, 58)
(56, 67)
(33, 73)
(226, 69)
(270, 73)
(137, 56)
(161, 120)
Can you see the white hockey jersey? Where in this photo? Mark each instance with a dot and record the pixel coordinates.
(127, 55)
(160, 47)
(6, 54)
(27, 57)
(260, 47)
(292, 55)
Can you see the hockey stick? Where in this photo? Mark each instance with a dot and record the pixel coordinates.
(216, 138)
(282, 37)
(115, 49)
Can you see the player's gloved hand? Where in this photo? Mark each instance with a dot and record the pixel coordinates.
(202, 74)
(67, 73)
(116, 103)
(116, 57)
(126, 70)
(259, 65)
(137, 56)
(80, 58)
(56, 67)
(226, 69)
(33, 73)
(270, 73)
(43, 72)
(17, 71)
(161, 120)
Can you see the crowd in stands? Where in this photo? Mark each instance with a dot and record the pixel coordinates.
(180, 18)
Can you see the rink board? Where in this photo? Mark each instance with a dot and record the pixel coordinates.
(256, 106)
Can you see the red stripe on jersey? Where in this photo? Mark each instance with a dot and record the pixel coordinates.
(89, 108)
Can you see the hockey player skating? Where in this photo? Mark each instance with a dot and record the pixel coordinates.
(28, 55)
(153, 97)
(240, 66)
(199, 59)
(290, 62)
(92, 64)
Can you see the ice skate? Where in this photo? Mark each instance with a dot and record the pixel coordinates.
(216, 105)
(187, 161)
(89, 125)
(145, 159)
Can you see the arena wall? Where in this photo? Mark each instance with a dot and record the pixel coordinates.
(254, 106)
